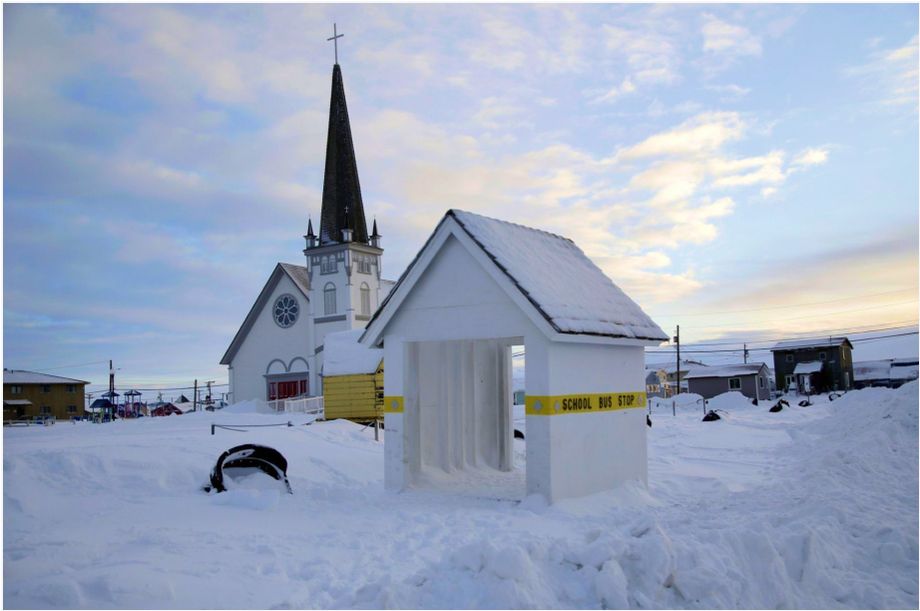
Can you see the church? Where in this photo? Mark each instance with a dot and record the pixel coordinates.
(278, 351)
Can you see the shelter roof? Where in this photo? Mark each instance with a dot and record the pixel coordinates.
(558, 281)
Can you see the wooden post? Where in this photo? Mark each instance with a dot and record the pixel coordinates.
(376, 429)
(195, 397)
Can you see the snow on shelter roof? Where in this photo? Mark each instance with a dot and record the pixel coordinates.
(826, 342)
(20, 376)
(725, 371)
(808, 367)
(571, 292)
(343, 355)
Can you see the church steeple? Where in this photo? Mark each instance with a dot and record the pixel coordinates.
(342, 205)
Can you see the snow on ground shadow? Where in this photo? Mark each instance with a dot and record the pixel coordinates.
(808, 507)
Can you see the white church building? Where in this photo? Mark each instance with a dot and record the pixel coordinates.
(278, 351)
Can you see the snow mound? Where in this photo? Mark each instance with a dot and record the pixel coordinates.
(729, 401)
(252, 406)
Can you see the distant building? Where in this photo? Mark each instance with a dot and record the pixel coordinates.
(820, 364)
(890, 373)
(29, 394)
(661, 378)
(750, 379)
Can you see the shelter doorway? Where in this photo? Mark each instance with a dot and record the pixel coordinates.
(459, 418)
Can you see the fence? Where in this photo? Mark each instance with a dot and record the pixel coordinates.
(299, 405)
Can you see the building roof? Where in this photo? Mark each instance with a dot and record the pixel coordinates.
(670, 367)
(562, 285)
(298, 274)
(726, 371)
(21, 376)
(808, 367)
(343, 355)
(342, 204)
(801, 344)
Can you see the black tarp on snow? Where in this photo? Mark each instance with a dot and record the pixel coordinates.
(245, 458)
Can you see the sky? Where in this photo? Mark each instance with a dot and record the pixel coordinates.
(745, 171)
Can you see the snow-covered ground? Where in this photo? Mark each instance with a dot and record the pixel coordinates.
(810, 507)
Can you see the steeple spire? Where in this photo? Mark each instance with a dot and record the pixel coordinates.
(342, 204)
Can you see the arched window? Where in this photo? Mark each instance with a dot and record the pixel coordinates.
(329, 298)
(365, 299)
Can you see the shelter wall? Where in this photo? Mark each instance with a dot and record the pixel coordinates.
(266, 342)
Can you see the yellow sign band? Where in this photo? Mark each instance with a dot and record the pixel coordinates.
(393, 405)
(583, 404)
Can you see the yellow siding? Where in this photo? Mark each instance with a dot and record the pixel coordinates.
(356, 397)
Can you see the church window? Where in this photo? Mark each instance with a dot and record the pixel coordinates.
(328, 266)
(329, 298)
(364, 265)
(285, 311)
(365, 299)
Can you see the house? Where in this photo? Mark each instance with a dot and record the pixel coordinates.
(352, 378)
(750, 379)
(822, 364)
(29, 394)
(166, 409)
(661, 378)
(278, 351)
(903, 371)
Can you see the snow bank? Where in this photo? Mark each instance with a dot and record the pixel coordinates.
(807, 508)
(345, 356)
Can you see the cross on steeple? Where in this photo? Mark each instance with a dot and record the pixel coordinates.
(335, 41)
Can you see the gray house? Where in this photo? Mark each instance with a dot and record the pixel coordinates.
(825, 364)
(750, 379)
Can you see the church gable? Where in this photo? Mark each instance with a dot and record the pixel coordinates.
(290, 311)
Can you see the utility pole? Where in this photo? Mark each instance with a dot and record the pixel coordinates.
(195, 397)
(111, 389)
(745, 354)
(677, 373)
(207, 399)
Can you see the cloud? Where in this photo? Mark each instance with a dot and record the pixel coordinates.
(721, 37)
(624, 88)
(811, 156)
(703, 133)
(890, 75)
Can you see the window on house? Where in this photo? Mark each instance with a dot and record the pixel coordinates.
(822, 355)
(790, 379)
(760, 381)
(71, 409)
(71, 388)
(734, 383)
(365, 299)
(789, 358)
(46, 388)
(329, 298)
(16, 389)
(45, 410)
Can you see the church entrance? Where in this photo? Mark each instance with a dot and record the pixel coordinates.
(285, 386)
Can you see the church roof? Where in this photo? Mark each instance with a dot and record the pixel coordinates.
(564, 287)
(342, 204)
(301, 279)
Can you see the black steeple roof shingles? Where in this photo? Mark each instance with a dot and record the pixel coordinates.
(342, 204)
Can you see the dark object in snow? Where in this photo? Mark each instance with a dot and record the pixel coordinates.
(754, 402)
(777, 408)
(833, 395)
(711, 416)
(804, 403)
(648, 420)
(247, 457)
(518, 434)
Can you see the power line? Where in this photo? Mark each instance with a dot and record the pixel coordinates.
(723, 350)
(68, 366)
(768, 321)
(820, 333)
(782, 307)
